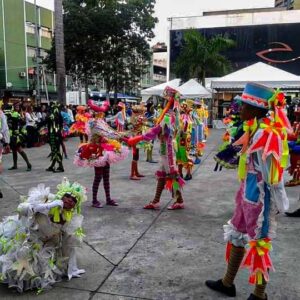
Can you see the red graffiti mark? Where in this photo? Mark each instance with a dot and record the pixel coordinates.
(284, 48)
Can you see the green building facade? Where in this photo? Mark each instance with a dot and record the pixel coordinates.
(21, 47)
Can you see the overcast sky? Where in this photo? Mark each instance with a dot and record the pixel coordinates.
(176, 8)
(44, 3)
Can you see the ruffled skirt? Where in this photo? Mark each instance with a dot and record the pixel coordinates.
(107, 157)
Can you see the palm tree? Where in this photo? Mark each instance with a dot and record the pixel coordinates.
(201, 56)
(60, 52)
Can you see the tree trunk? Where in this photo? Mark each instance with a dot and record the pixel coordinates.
(60, 52)
(86, 89)
(203, 78)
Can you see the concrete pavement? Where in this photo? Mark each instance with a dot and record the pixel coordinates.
(131, 253)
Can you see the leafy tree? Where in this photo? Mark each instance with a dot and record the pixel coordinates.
(107, 39)
(201, 57)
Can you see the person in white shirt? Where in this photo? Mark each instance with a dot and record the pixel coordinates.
(31, 120)
(70, 112)
(4, 138)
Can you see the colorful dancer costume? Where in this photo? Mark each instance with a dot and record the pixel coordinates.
(228, 154)
(17, 136)
(67, 122)
(55, 128)
(138, 123)
(294, 146)
(102, 151)
(183, 142)
(261, 195)
(119, 117)
(198, 134)
(81, 119)
(38, 246)
(151, 115)
(294, 169)
(168, 176)
(4, 138)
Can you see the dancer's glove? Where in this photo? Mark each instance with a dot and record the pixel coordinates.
(134, 140)
(43, 208)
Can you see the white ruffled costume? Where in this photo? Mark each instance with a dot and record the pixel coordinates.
(35, 251)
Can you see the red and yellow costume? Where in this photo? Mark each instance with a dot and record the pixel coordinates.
(81, 120)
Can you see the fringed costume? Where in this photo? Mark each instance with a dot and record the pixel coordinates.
(228, 154)
(168, 176)
(183, 142)
(55, 128)
(17, 136)
(138, 124)
(261, 195)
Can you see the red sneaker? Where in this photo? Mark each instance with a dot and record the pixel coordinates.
(152, 205)
(176, 205)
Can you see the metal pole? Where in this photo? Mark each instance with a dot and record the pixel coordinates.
(169, 48)
(45, 82)
(37, 54)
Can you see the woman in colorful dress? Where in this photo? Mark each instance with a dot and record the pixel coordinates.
(81, 120)
(102, 150)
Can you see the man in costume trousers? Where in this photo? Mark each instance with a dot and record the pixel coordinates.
(261, 195)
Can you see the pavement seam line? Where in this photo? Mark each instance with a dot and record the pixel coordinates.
(11, 187)
(99, 253)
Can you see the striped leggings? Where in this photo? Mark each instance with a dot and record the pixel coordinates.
(101, 172)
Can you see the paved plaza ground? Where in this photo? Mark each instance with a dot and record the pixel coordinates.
(131, 253)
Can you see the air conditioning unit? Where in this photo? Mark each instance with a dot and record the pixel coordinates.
(22, 74)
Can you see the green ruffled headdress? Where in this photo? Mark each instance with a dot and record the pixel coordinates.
(74, 189)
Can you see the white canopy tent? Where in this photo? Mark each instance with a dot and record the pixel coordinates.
(259, 73)
(157, 90)
(193, 89)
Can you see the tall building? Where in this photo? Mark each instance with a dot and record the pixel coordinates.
(288, 4)
(268, 36)
(160, 63)
(21, 46)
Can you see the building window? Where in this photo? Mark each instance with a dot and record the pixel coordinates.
(46, 32)
(43, 53)
(49, 78)
(31, 52)
(30, 28)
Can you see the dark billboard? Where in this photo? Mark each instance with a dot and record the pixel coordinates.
(253, 44)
